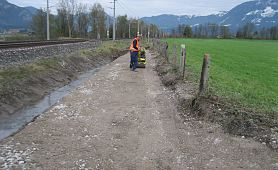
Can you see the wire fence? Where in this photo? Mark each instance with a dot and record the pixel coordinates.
(179, 61)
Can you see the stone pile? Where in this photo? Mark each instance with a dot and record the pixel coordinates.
(19, 56)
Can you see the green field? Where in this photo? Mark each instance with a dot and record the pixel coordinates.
(244, 72)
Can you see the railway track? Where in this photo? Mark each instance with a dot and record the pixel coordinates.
(20, 44)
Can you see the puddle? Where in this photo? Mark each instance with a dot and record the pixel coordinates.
(13, 123)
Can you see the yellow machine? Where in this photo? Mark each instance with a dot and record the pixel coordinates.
(142, 59)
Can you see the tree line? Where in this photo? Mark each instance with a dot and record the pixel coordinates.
(248, 31)
(83, 21)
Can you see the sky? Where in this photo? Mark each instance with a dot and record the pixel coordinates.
(141, 8)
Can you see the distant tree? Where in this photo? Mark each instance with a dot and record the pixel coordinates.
(68, 7)
(239, 33)
(213, 30)
(248, 30)
(132, 24)
(82, 20)
(38, 25)
(143, 28)
(256, 35)
(274, 33)
(225, 32)
(263, 33)
(153, 31)
(205, 31)
(61, 23)
(173, 32)
(187, 31)
(195, 32)
(98, 18)
(200, 31)
(180, 30)
(122, 26)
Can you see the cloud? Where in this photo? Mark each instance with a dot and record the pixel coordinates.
(148, 7)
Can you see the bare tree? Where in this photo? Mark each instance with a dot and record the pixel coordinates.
(248, 30)
(213, 30)
(69, 7)
(122, 23)
(225, 31)
(38, 24)
(187, 31)
(153, 31)
(61, 23)
(274, 32)
(82, 20)
(98, 18)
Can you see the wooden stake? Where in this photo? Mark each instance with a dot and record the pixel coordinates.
(204, 75)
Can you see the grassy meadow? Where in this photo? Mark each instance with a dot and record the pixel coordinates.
(244, 72)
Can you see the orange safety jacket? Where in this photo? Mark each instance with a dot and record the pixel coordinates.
(134, 47)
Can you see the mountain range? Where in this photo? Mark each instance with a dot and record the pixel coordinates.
(263, 13)
(12, 16)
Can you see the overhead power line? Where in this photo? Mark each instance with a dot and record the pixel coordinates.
(124, 8)
(130, 8)
(114, 20)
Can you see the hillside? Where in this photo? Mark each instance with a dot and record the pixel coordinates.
(263, 13)
(12, 16)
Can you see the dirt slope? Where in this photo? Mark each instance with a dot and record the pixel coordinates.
(127, 120)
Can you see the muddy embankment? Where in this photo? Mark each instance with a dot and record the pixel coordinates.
(234, 120)
(24, 84)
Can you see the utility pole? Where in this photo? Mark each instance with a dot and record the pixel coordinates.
(148, 33)
(47, 22)
(108, 27)
(129, 29)
(114, 23)
(138, 29)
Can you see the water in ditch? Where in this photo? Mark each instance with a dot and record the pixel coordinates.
(13, 123)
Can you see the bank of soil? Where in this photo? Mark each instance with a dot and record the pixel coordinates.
(234, 119)
(25, 84)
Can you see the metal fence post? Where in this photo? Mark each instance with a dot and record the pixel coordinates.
(174, 59)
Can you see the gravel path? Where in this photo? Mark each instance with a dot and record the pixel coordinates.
(127, 120)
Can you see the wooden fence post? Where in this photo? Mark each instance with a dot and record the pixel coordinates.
(166, 51)
(182, 58)
(204, 75)
(159, 47)
(174, 59)
(163, 49)
(184, 61)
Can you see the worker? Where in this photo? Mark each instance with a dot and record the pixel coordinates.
(134, 50)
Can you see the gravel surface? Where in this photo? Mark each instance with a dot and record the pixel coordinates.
(19, 56)
(121, 119)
